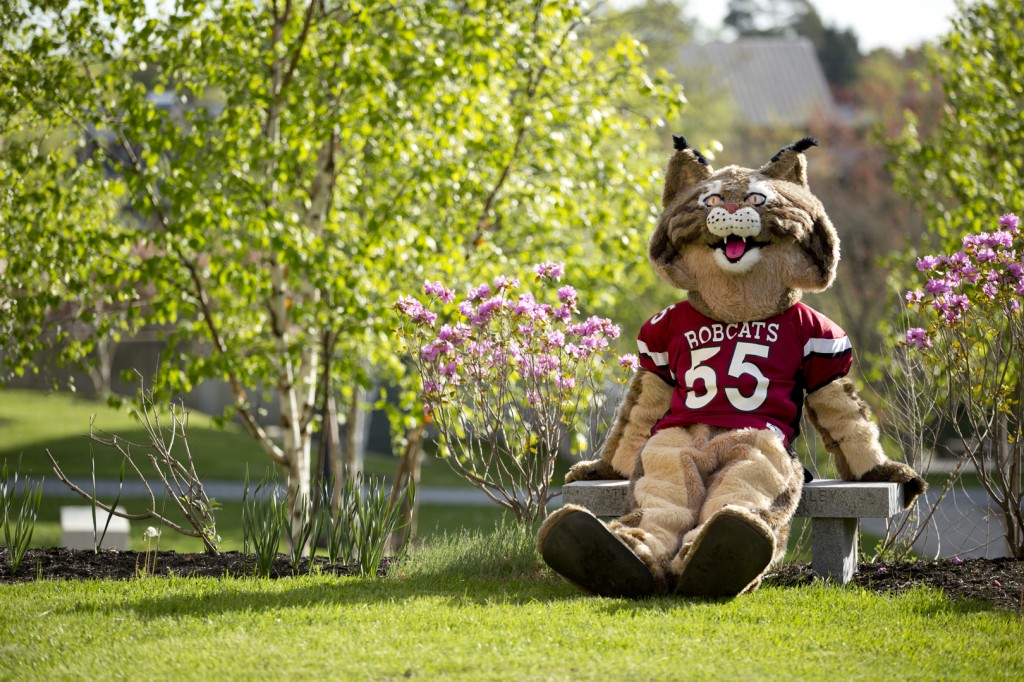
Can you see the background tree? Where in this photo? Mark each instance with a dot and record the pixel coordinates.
(968, 168)
(851, 174)
(287, 169)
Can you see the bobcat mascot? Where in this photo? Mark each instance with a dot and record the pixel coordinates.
(704, 432)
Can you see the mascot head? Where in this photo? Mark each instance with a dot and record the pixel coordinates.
(743, 243)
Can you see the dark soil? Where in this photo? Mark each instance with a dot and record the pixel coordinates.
(59, 563)
(998, 582)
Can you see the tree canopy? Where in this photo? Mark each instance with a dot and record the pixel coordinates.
(259, 181)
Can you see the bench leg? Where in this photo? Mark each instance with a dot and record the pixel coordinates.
(834, 548)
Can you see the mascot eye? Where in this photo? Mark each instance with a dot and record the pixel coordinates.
(714, 200)
(755, 199)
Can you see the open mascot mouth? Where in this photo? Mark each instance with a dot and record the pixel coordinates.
(735, 247)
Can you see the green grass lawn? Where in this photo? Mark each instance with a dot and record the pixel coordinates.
(32, 422)
(479, 608)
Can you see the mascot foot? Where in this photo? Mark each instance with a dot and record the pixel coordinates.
(729, 555)
(582, 549)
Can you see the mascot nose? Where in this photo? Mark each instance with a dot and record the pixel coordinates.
(731, 207)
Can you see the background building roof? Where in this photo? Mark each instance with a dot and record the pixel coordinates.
(773, 81)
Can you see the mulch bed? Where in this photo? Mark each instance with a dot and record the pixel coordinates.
(999, 582)
(60, 563)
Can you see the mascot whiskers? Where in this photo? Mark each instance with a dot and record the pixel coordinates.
(705, 431)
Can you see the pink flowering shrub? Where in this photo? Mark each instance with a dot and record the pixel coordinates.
(973, 293)
(971, 338)
(507, 375)
(983, 278)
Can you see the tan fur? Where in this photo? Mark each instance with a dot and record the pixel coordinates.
(671, 489)
(651, 405)
(788, 165)
(898, 472)
(752, 470)
(740, 299)
(687, 475)
(592, 470)
(684, 170)
(843, 420)
(680, 247)
(779, 515)
(646, 401)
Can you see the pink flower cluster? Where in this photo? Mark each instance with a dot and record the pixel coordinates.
(409, 306)
(549, 270)
(506, 341)
(986, 271)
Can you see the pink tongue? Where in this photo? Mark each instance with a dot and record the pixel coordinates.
(734, 249)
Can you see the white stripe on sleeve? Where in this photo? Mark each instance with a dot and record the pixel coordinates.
(660, 359)
(827, 346)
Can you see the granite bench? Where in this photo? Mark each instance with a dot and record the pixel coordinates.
(834, 507)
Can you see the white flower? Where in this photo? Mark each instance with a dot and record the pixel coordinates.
(151, 532)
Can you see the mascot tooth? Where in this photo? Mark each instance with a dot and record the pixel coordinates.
(705, 432)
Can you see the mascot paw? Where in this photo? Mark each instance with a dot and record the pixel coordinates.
(580, 548)
(593, 470)
(727, 557)
(897, 472)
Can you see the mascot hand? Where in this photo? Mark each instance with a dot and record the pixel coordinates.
(898, 472)
(593, 470)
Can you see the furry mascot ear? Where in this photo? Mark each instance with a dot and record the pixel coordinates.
(821, 244)
(789, 163)
(686, 168)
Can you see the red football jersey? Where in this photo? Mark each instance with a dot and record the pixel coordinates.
(747, 374)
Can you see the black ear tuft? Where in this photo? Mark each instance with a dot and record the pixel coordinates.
(680, 144)
(805, 144)
(800, 146)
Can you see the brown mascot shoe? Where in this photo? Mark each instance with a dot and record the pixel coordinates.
(582, 549)
(728, 555)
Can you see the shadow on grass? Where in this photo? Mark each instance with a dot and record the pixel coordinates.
(203, 597)
(179, 597)
(248, 595)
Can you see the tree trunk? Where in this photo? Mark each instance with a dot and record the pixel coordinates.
(408, 470)
(100, 372)
(354, 433)
(1016, 453)
(335, 462)
(297, 395)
